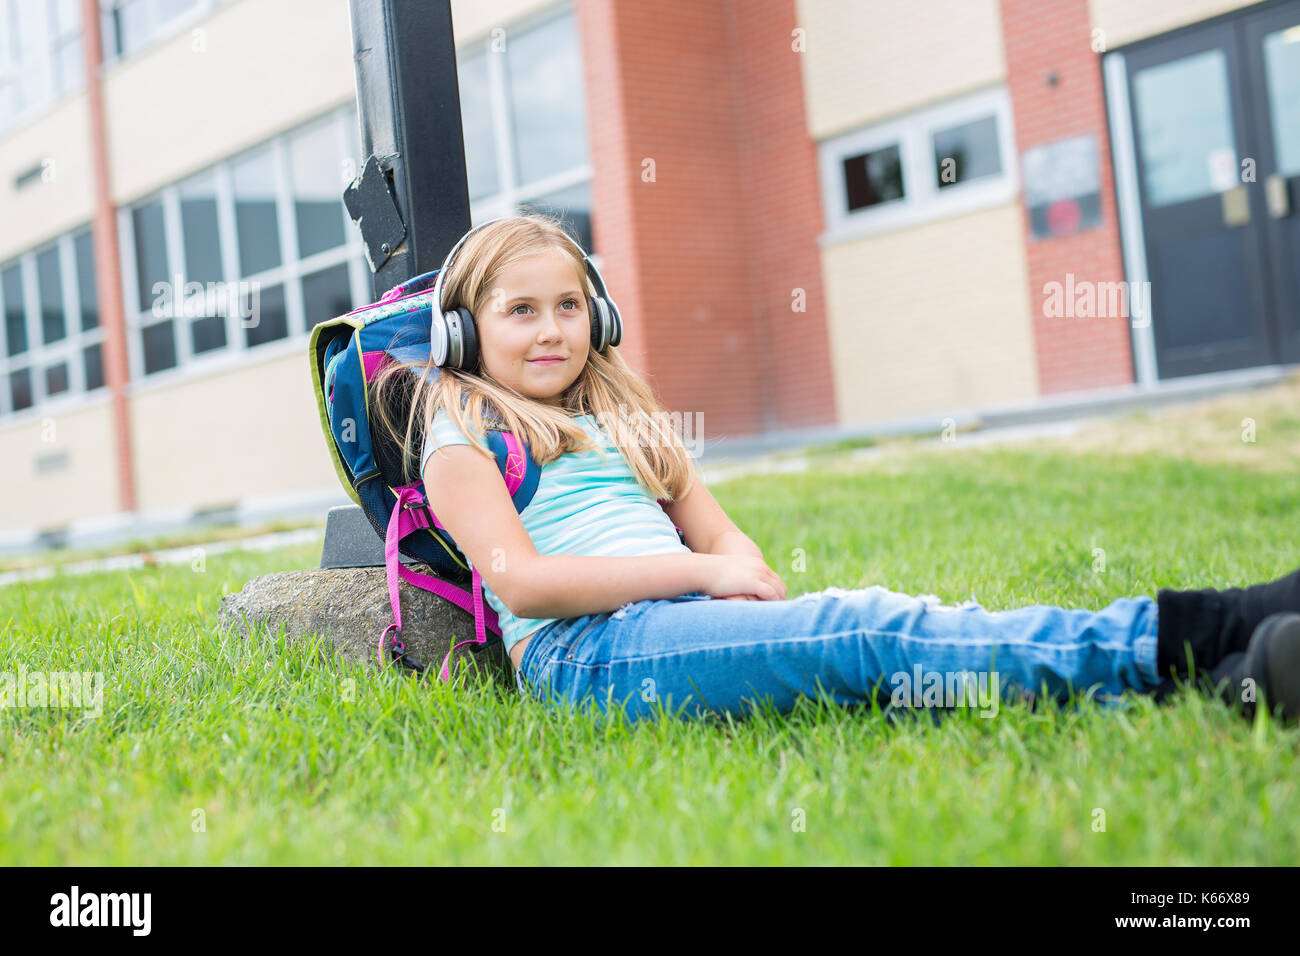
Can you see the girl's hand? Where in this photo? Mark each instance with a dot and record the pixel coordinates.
(737, 576)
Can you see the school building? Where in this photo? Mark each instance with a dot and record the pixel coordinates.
(811, 213)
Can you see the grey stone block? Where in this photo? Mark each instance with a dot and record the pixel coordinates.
(351, 541)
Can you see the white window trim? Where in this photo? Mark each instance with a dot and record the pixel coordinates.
(923, 200)
(39, 356)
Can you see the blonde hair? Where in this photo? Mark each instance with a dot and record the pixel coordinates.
(607, 389)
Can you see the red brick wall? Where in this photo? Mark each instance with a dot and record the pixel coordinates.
(703, 261)
(1040, 37)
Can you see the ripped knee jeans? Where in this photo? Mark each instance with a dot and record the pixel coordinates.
(694, 653)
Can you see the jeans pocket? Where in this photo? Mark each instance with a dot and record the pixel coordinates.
(570, 647)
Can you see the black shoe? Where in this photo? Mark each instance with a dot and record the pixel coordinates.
(1216, 623)
(1268, 670)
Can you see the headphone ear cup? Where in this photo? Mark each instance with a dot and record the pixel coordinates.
(439, 339)
(599, 323)
(469, 341)
(615, 324)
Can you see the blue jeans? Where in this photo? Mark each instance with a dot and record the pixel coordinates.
(695, 654)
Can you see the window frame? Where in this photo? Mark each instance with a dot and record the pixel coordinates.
(923, 200)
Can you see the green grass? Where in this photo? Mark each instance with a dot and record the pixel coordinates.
(289, 767)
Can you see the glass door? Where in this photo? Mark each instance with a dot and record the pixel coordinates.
(1203, 219)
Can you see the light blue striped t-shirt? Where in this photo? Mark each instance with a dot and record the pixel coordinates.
(583, 505)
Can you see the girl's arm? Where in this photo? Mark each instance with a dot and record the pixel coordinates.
(735, 542)
(702, 519)
(705, 526)
(465, 490)
(568, 585)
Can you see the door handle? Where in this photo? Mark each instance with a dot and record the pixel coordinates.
(1236, 206)
(1279, 202)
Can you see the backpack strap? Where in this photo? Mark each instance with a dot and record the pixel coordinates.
(402, 522)
(515, 465)
(412, 513)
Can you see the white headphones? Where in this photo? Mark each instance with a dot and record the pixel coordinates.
(453, 339)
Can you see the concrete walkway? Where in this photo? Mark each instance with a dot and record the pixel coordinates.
(183, 555)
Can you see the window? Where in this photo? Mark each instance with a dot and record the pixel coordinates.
(572, 205)
(153, 284)
(524, 117)
(966, 152)
(201, 238)
(255, 213)
(943, 160)
(873, 177)
(53, 344)
(253, 251)
(327, 293)
(548, 127)
(40, 56)
(315, 187)
(129, 26)
(476, 123)
(1184, 123)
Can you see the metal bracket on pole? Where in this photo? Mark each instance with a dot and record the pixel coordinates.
(373, 207)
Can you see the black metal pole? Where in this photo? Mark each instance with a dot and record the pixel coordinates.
(411, 198)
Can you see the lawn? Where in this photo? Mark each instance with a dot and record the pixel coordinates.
(215, 750)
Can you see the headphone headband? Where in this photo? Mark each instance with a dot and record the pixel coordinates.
(596, 278)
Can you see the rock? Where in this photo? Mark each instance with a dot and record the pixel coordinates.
(350, 606)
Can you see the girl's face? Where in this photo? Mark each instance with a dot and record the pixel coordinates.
(537, 308)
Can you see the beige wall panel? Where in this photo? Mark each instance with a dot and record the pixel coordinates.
(475, 19)
(931, 320)
(232, 435)
(1127, 20)
(84, 487)
(868, 61)
(234, 79)
(43, 210)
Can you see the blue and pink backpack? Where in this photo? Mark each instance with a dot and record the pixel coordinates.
(347, 353)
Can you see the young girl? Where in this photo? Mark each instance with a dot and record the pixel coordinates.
(598, 598)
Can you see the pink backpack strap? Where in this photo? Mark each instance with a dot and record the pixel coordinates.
(401, 523)
(516, 462)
